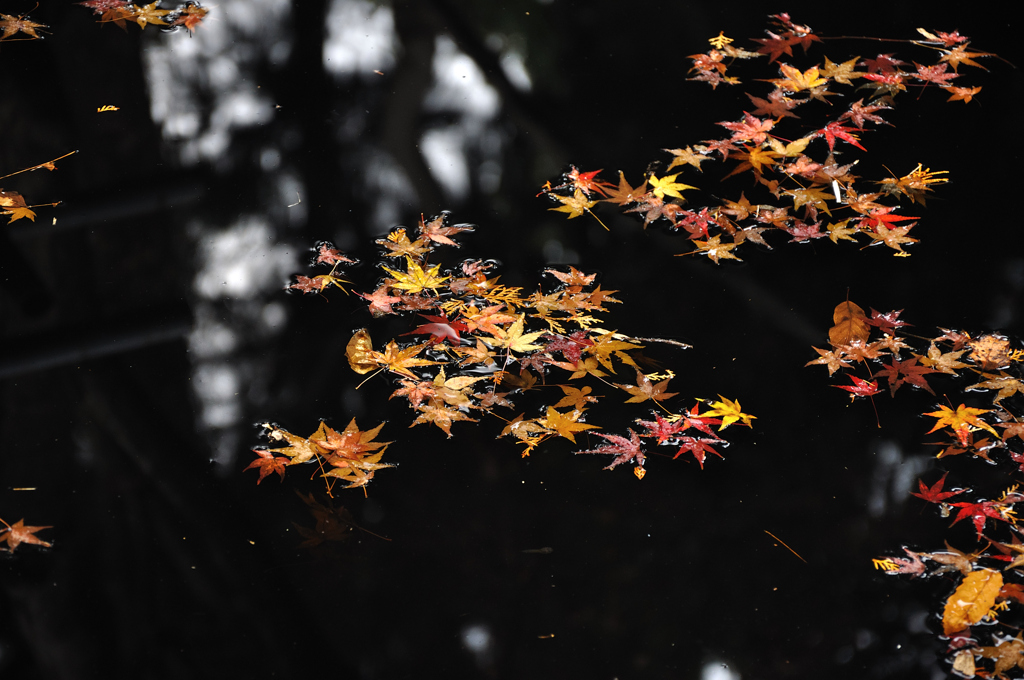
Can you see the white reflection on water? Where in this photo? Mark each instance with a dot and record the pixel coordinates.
(360, 39)
(215, 64)
(718, 670)
(478, 641)
(459, 88)
(893, 477)
(239, 268)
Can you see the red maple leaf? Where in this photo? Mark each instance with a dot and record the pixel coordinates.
(570, 346)
(898, 372)
(979, 512)
(439, 328)
(934, 493)
(587, 182)
(695, 420)
(699, 448)
(887, 322)
(880, 216)
(836, 130)
(661, 428)
(860, 388)
(623, 449)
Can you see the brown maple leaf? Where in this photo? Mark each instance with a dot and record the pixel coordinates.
(380, 301)
(645, 389)
(625, 194)
(778, 105)
(267, 463)
(440, 414)
(436, 230)
(17, 533)
(1006, 384)
(11, 25)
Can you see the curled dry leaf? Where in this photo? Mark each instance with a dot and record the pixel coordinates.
(359, 352)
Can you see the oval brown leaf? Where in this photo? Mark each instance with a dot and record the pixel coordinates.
(850, 324)
(972, 600)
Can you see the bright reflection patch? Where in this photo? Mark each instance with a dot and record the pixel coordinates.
(360, 39)
(718, 670)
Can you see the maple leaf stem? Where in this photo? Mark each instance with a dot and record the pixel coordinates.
(867, 37)
(592, 215)
(383, 538)
(323, 473)
(663, 407)
(36, 167)
(368, 377)
(1, 518)
(683, 345)
(786, 546)
(878, 422)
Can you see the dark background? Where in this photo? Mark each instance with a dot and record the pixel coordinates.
(145, 331)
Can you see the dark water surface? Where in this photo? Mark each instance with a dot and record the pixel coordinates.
(145, 330)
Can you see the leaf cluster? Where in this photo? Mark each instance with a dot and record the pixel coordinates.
(987, 583)
(483, 348)
(187, 15)
(801, 163)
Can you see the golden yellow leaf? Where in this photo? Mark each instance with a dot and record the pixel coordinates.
(415, 278)
(360, 352)
(972, 600)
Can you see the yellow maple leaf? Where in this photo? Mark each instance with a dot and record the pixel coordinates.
(415, 278)
(668, 186)
(12, 203)
(565, 424)
(398, 360)
(149, 14)
(795, 81)
(515, 340)
(574, 205)
(729, 412)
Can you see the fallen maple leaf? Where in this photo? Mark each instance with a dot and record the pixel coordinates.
(960, 421)
(971, 601)
(574, 205)
(267, 463)
(624, 450)
(730, 413)
(645, 389)
(415, 278)
(898, 372)
(13, 204)
(859, 388)
(17, 533)
(934, 493)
